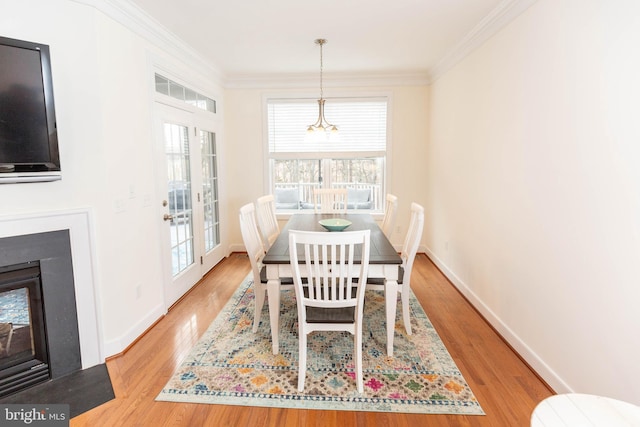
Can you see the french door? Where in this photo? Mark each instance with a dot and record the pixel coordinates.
(187, 178)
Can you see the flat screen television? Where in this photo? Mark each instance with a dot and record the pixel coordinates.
(28, 132)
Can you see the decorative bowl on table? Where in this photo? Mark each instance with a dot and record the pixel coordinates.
(335, 224)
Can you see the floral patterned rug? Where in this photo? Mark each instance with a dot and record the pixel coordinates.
(231, 365)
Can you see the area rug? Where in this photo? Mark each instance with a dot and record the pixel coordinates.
(231, 365)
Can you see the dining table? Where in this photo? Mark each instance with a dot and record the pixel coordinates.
(384, 262)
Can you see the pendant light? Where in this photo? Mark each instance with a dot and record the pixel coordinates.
(321, 125)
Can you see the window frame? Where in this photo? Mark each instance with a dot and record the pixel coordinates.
(350, 96)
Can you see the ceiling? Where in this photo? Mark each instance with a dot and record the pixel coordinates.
(244, 38)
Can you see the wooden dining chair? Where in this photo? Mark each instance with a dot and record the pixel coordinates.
(330, 288)
(390, 211)
(267, 220)
(408, 255)
(256, 252)
(330, 200)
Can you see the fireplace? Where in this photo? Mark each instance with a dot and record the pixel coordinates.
(39, 337)
(24, 358)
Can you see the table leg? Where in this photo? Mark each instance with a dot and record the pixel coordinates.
(391, 300)
(273, 293)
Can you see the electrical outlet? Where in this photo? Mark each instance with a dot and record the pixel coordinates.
(138, 291)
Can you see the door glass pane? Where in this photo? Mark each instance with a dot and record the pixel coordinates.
(179, 184)
(210, 190)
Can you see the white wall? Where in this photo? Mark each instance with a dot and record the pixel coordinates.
(102, 77)
(534, 189)
(244, 134)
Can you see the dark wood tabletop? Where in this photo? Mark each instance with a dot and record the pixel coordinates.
(381, 252)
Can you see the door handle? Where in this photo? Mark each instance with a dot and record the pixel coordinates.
(168, 217)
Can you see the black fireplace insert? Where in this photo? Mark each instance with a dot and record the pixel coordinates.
(39, 338)
(24, 359)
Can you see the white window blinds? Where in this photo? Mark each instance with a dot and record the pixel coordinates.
(362, 125)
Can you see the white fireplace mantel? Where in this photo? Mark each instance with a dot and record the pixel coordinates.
(78, 222)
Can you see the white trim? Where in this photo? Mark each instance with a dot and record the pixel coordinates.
(306, 80)
(497, 19)
(236, 247)
(534, 361)
(138, 21)
(118, 345)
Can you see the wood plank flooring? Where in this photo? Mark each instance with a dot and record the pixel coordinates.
(506, 388)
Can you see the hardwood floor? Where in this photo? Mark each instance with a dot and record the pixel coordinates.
(505, 387)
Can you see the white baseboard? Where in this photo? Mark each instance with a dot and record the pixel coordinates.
(118, 345)
(525, 352)
(236, 248)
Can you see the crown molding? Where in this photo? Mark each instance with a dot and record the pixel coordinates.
(135, 19)
(497, 19)
(306, 80)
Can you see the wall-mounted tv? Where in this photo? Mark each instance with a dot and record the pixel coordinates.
(28, 132)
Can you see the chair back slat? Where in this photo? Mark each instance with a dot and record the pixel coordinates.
(267, 220)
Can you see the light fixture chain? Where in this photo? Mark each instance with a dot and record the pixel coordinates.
(321, 69)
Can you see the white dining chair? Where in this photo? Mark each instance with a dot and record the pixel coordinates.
(330, 200)
(267, 220)
(330, 288)
(408, 255)
(256, 252)
(390, 211)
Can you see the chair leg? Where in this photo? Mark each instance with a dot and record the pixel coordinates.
(357, 341)
(391, 300)
(259, 294)
(273, 291)
(302, 359)
(404, 296)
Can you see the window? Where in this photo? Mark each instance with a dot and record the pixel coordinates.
(354, 160)
(210, 190)
(177, 91)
